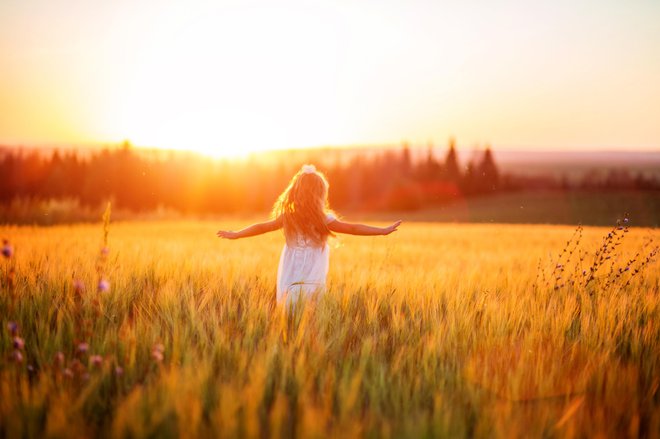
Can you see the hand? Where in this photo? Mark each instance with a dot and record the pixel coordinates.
(391, 228)
(227, 234)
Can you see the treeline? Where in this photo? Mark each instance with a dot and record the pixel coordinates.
(391, 179)
(138, 181)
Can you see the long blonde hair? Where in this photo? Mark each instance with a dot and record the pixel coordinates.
(303, 206)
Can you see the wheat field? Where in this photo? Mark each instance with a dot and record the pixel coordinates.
(439, 330)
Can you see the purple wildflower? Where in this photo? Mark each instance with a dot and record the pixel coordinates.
(83, 348)
(119, 371)
(7, 249)
(13, 328)
(78, 286)
(157, 352)
(59, 358)
(104, 286)
(96, 360)
(18, 343)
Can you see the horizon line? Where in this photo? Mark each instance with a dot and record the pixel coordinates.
(384, 145)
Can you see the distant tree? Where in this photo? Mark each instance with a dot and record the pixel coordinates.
(356, 182)
(469, 180)
(406, 162)
(55, 181)
(451, 169)
(487, 172)
(431, 168)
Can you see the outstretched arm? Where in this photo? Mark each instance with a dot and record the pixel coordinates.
(253, 230)
(361, 229)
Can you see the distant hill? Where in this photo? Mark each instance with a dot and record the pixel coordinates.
(543, 207)
(575, 163)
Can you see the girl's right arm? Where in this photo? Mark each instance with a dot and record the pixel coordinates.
(361, 229)
(253, 230)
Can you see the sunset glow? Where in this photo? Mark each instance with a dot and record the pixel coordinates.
(231, 77)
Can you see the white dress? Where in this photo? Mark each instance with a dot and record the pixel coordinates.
(302, 269)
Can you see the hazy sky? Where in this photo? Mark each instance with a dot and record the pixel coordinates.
(241, 75)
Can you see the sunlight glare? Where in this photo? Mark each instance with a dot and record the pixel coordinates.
(204, 89)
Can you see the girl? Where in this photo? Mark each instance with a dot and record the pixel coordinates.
(302, 210)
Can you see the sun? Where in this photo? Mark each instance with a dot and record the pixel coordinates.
(220, 132)
(226, 90)
(213, 133)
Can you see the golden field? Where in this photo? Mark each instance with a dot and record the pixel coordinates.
(439, 330)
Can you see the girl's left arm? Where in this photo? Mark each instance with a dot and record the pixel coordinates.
(362, 229)
(253, 230)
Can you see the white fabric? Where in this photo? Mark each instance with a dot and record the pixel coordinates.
(302, 269)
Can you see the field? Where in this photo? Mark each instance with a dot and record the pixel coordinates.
(439, 330)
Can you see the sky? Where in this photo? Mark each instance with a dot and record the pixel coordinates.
(232, 76)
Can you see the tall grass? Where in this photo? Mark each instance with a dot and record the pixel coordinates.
(436, 331)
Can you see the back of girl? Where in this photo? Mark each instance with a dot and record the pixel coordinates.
(303, 209)
(303, 213)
